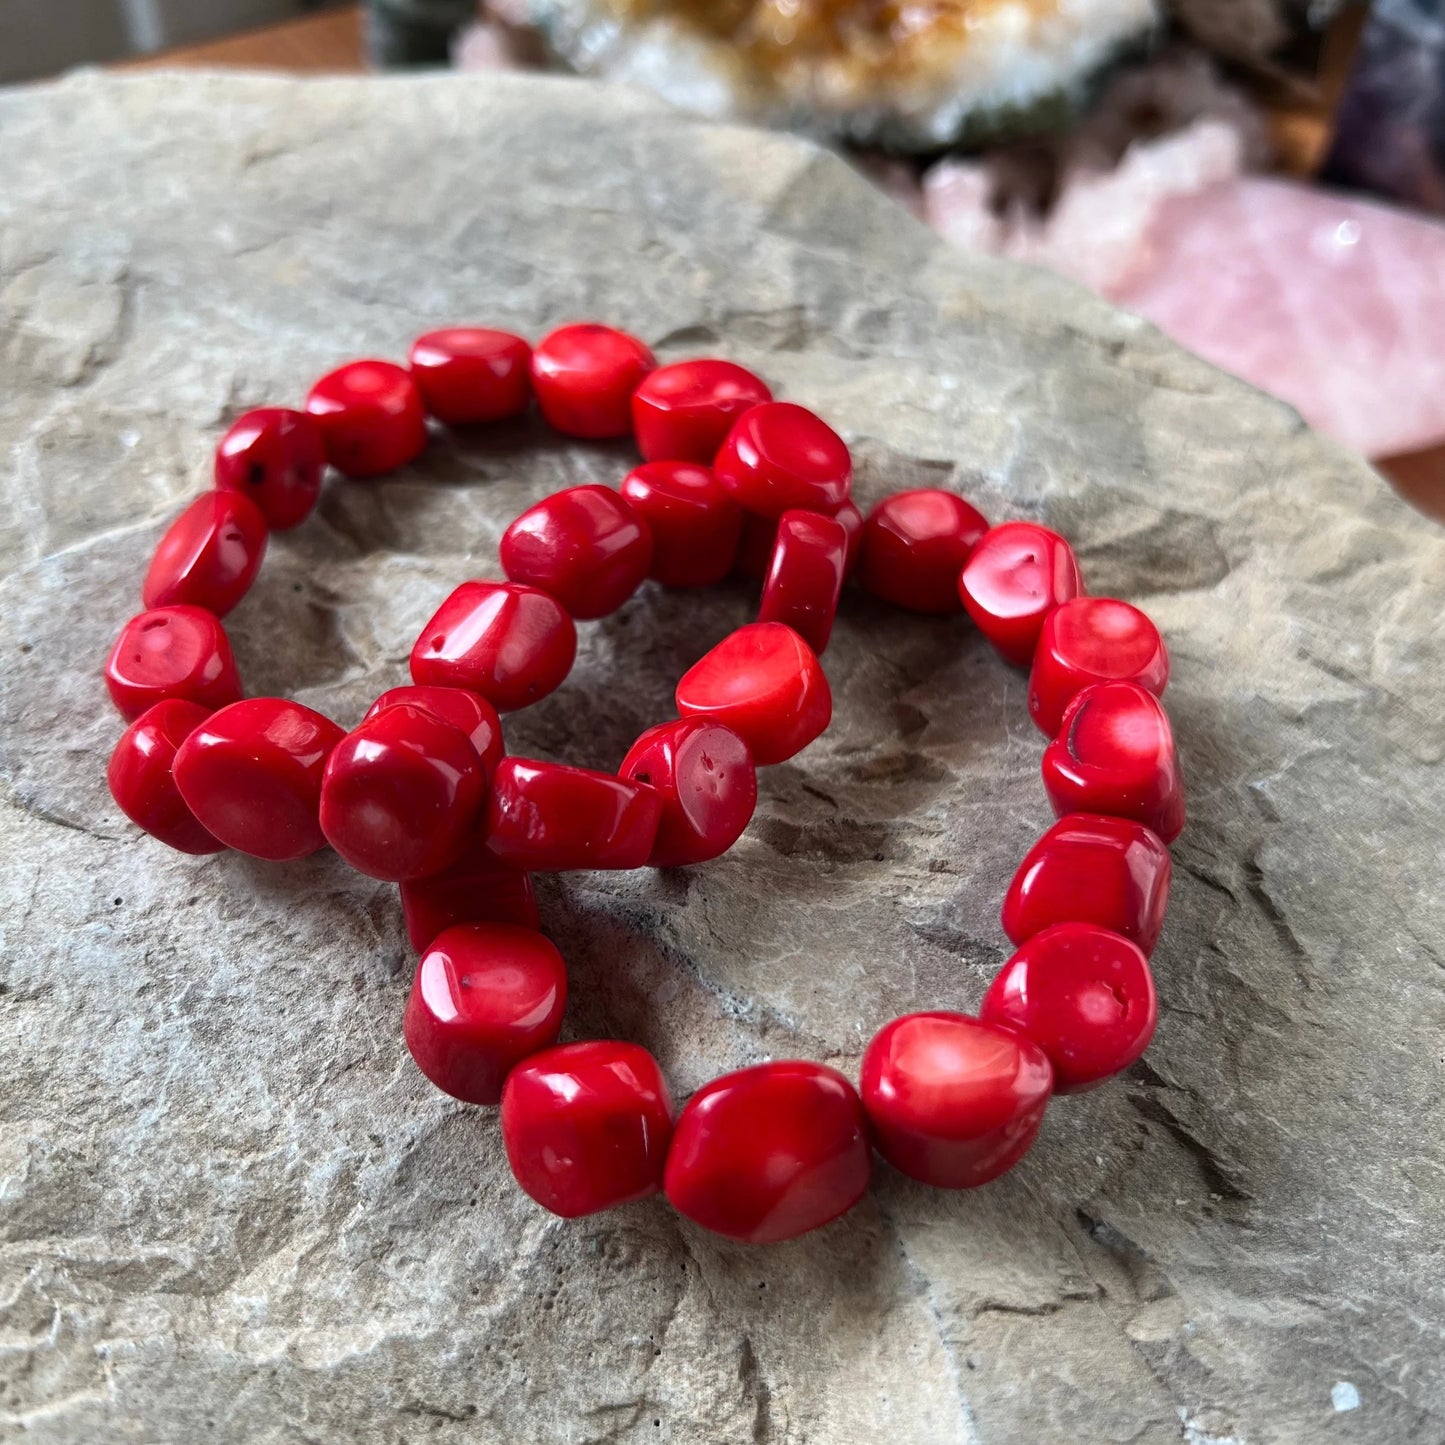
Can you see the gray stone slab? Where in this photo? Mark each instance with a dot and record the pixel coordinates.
(232, 1210)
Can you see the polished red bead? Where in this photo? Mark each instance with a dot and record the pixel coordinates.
(695, 524)
(251, 773)
(805, 579)
(171, 652)
(209, 555)
(586, 1126)
(1089, 640)
(1091, 869)
(584, 546)
(547, 817)
(779, 456)
(914, 546)
(768, 1153)
(485, 996)
(704, 775)
(371, 417)
(477, 888)
(765, 683)
(952, 1101)
(584, 377)
(1115, 754)
(760, 535)
(1016, 575)
(401, 794)
(469, 711)
(1083, 995)
(683, 412)
(140, 776)
(511, 644)
(274, 456)
(468, 374)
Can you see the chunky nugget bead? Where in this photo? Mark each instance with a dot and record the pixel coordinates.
(1083, 995)
(1115, 754)
(1017, 574)
(477, 888)
(584, 377)
(684, 412)
(764, 682)
(485, 996)
(770, 1152)
(704, 775)
(140, 776)
(171, 652)
(469, 711)
(953, 1102)
(468, 375)
(1091, 869)
(695, 524)
(401, 794)
(209, 555)
(547, 817)
(371, 417)
(760, 536)
(1089, 640)
(914, 546)
(251, 774)
(779, 456)
(805, 579)
(511, 644)
(275, 457)
(586, 1126)
(584, 546)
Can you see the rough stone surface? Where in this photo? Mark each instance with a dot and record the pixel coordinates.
(233, 1211)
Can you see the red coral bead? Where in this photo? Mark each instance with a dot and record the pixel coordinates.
(251, 773)
(1083, 995)
(1091, 869)
(704, 775)
(371, 417)
(584, 377)
(140, 776)
(171, 652)
(1115, 754)
(1017, 574)
(209, 555)
(586, 1126)
(953, 1102)
(401, 794)
(760, 536)
(468, 374)
(469, 711)
(779, 456)
(684, 412)
(805, 579)
(584, 546)
(548, 817)
(485, 996)
(768, 1153)
(914, 546)
(764, 682)
(477, 888)
(275, 457)
(1089, 640)
(695, 524)
(511, 644)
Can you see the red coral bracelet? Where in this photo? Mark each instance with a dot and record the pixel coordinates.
(421, 792)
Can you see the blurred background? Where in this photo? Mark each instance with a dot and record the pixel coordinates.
(1263, 179)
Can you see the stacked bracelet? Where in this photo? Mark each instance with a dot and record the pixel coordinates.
(422, 792)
